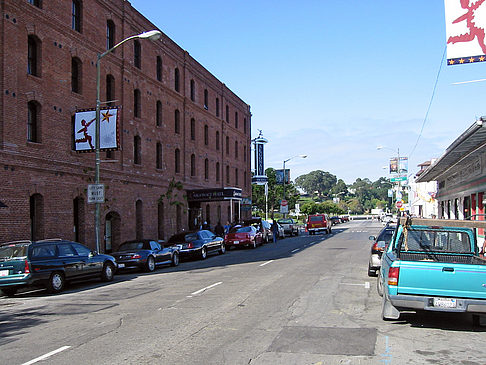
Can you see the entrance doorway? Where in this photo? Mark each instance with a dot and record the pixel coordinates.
(112, 231)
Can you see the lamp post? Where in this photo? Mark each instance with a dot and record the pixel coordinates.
(284, 177)
(152, 35)
(398, 165)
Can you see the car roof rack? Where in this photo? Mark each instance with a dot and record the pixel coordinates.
(14, 242)
(50, 240)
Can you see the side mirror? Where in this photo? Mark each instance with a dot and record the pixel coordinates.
(93, 253)
(372, 238)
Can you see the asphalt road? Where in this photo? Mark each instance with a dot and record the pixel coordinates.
(304, 300)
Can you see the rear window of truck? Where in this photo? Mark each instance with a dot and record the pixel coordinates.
(437, 241)
(316, 219)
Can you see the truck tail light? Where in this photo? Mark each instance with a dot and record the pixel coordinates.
(393, 274)
(26, 267)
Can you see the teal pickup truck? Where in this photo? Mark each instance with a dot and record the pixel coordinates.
(433, 265)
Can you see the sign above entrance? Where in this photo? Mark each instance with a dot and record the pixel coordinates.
(213, 195)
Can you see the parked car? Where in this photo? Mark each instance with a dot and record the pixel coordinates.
(318, 222)
(261, 225)
(145, 254)
(289, 226)
(379, 245)
(335, 220)
(50, 263)
(281, 231)
(246, 236)
(344, 218)
(199, 243)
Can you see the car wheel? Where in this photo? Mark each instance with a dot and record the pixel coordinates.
(222, 249)
(175, 259)
(56, 283)
(108, 272)
(150, 265)
(204, 253)
(379, 285)
(9, 292)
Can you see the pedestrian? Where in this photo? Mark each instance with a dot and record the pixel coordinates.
(205, 225)
(219, 230)
(274, 229)
(227, 226)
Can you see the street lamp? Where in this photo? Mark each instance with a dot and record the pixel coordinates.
(287, 160)
(152, 35)
(399, 188)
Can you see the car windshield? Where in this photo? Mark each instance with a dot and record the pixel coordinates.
(183, 237)
(12, 251)
(429, 240)
(240, 230)
(285, 221)
(130, 246)
(315, 219)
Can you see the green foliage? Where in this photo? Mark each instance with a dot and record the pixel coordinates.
(173, 194)
(319, 183)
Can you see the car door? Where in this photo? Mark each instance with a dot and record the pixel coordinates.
(161, 254)
(93, 264)
(73, 264)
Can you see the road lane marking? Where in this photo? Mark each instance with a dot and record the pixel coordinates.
(366, 284)
(266, 263)
(206, 288)
(49, 354)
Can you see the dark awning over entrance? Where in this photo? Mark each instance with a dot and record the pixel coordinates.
(213, 195)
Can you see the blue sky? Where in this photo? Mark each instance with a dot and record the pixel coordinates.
(333, 79)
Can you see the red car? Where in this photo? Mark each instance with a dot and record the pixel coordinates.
(243, 236)
(319, 222)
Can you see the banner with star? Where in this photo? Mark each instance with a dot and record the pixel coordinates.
(85, 130)
(465, 31)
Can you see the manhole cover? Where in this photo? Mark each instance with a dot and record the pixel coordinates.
(326, 340)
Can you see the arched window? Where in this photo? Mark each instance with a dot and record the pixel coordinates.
(76, 75)
(37, 3)
(206, 104)
(33, 122)
(193, 165)
(217, 107)
(137, 150)
(177, 161)
(227, 113)
(78, 219)
(206, 169)
(110, 34)
(244, 179)
(217, 140)
(158, 157)
(193, 90)
(110, 90)
(33, 55)
(36, 217)
(227, 145)
(177, 121)
(137, 107)
(236, 177)
(244, 153)
(236, 120)
(76, 15)
(193, 129)
(159, 68)
(177, 86)
(206, 135)
(227, 174)
(138, 220)
(158, 114)
(236, 149)
(244, 125)
(217, 171)
(137, 54)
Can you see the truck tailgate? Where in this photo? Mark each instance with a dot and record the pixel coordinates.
(442, 279)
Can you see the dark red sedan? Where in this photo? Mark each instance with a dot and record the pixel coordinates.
(246, 236)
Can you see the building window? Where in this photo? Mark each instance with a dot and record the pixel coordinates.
(206, 135)
(158, 157)
(76, 75)
(33, 56)
(217, 140)
(110, 34)
(217, 171)
(244, 125)
(160, 221)
(138, 220)
(137, 150)
(110, 90)
(206, 99)
(236, 120)
(177, 85)
(244, 153)
(227, 113)
(177, 121)
(33, 124)
(76, 15)
(227, 174)
(227, 145)
(159, 68)
(206, 169)
(37, 3)
(137, 107)
(244, 179)
(193, 90)
(36, 217)
(158, 114)
(177, 160)
(193, 165)
(236, 149)
(236, 177)
(78, 219)
(217, 107)
(137, 54)
(193, 129)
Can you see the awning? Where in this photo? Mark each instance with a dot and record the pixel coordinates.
(212, 195)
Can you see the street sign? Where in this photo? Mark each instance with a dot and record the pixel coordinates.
(399, 204)
(398, 179)
(96, 193)
(284, 206)
(259, 180)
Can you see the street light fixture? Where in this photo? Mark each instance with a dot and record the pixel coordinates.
(153, 35)
(284, 179)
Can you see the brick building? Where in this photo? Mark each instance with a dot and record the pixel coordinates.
(178, 123)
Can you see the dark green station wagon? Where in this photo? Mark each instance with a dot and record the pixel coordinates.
(50, 263)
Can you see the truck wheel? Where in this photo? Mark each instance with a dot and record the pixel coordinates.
(379, 284)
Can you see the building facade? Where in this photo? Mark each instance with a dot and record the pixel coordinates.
(180, 129)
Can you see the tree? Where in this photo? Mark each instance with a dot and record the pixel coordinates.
(317, 182)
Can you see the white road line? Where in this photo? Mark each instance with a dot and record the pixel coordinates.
(297, 249)
(367, 284)
(266, 263)
(49, 354)
(206, 288)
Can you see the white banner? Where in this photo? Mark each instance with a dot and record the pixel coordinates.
(85, 129)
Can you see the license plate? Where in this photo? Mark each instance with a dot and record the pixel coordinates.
(445, 303)
(121, 266)
(3, 272)
(236, 242)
